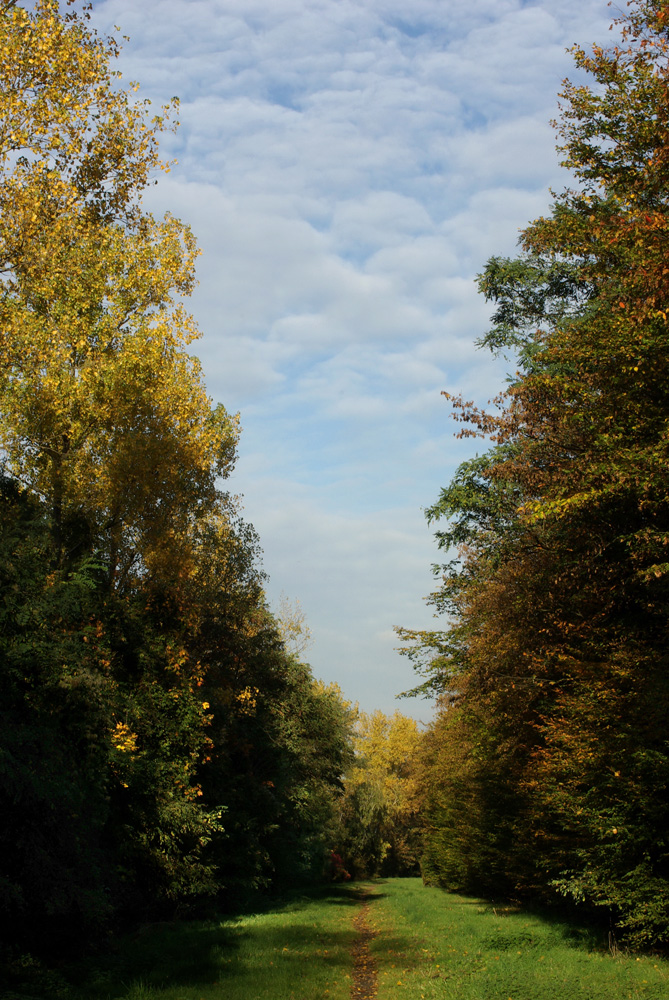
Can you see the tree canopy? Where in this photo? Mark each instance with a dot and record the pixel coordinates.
(549, 760)
(160, 744)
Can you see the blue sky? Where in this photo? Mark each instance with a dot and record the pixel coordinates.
(348, 167)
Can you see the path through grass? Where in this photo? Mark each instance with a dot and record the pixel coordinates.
(427, 945)
(365, 971)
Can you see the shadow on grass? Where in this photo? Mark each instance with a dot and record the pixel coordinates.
(561, 924)
(336, 893)
(174, 954)
(199, 953)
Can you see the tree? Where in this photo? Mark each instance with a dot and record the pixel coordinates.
(55, 711)
(379, 813)
(280, 739)
(152, 713)
(559, 599)
(103, 413)
(111, 450)
(295, 631)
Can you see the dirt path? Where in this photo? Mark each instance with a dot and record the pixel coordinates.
(365, 971)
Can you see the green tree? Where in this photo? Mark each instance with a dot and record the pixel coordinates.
(54, 716)
(559, 600)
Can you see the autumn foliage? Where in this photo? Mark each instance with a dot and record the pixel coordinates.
(378, 832)
(547, 770)
(159, 743)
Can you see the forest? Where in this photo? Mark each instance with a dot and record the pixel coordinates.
(165, 751)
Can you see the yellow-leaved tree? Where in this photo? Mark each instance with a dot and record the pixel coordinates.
(109, 448)
(160, 740)
(103, 413)
(379, 827)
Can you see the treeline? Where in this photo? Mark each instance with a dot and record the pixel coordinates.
(546, 773)
(159, 743)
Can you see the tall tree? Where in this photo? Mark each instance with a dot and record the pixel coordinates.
(111, 451)
(103, 413)
(557, 652)
(159, 742)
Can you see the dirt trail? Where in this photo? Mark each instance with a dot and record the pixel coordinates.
(365, 971)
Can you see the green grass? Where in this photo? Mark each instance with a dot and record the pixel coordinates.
(297, 951)
(432, 944)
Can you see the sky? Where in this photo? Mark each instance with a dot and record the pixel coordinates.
(348, 167)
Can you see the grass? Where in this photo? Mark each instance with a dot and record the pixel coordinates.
(432, 944)
(297, 951)
(429, 945)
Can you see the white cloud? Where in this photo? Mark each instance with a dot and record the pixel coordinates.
(348, 166)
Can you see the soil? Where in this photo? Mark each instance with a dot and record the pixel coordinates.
(365, 971)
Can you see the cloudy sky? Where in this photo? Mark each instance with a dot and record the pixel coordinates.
(348, 167)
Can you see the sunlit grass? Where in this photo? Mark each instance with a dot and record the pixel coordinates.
(298, 951)
(429, 945)
(432, 944)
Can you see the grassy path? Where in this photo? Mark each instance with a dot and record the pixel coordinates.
(365, 969)
(387, 940)
(301, 950)
(436, 946)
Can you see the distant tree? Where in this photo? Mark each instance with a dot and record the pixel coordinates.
(293, 627)
(379, 823)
